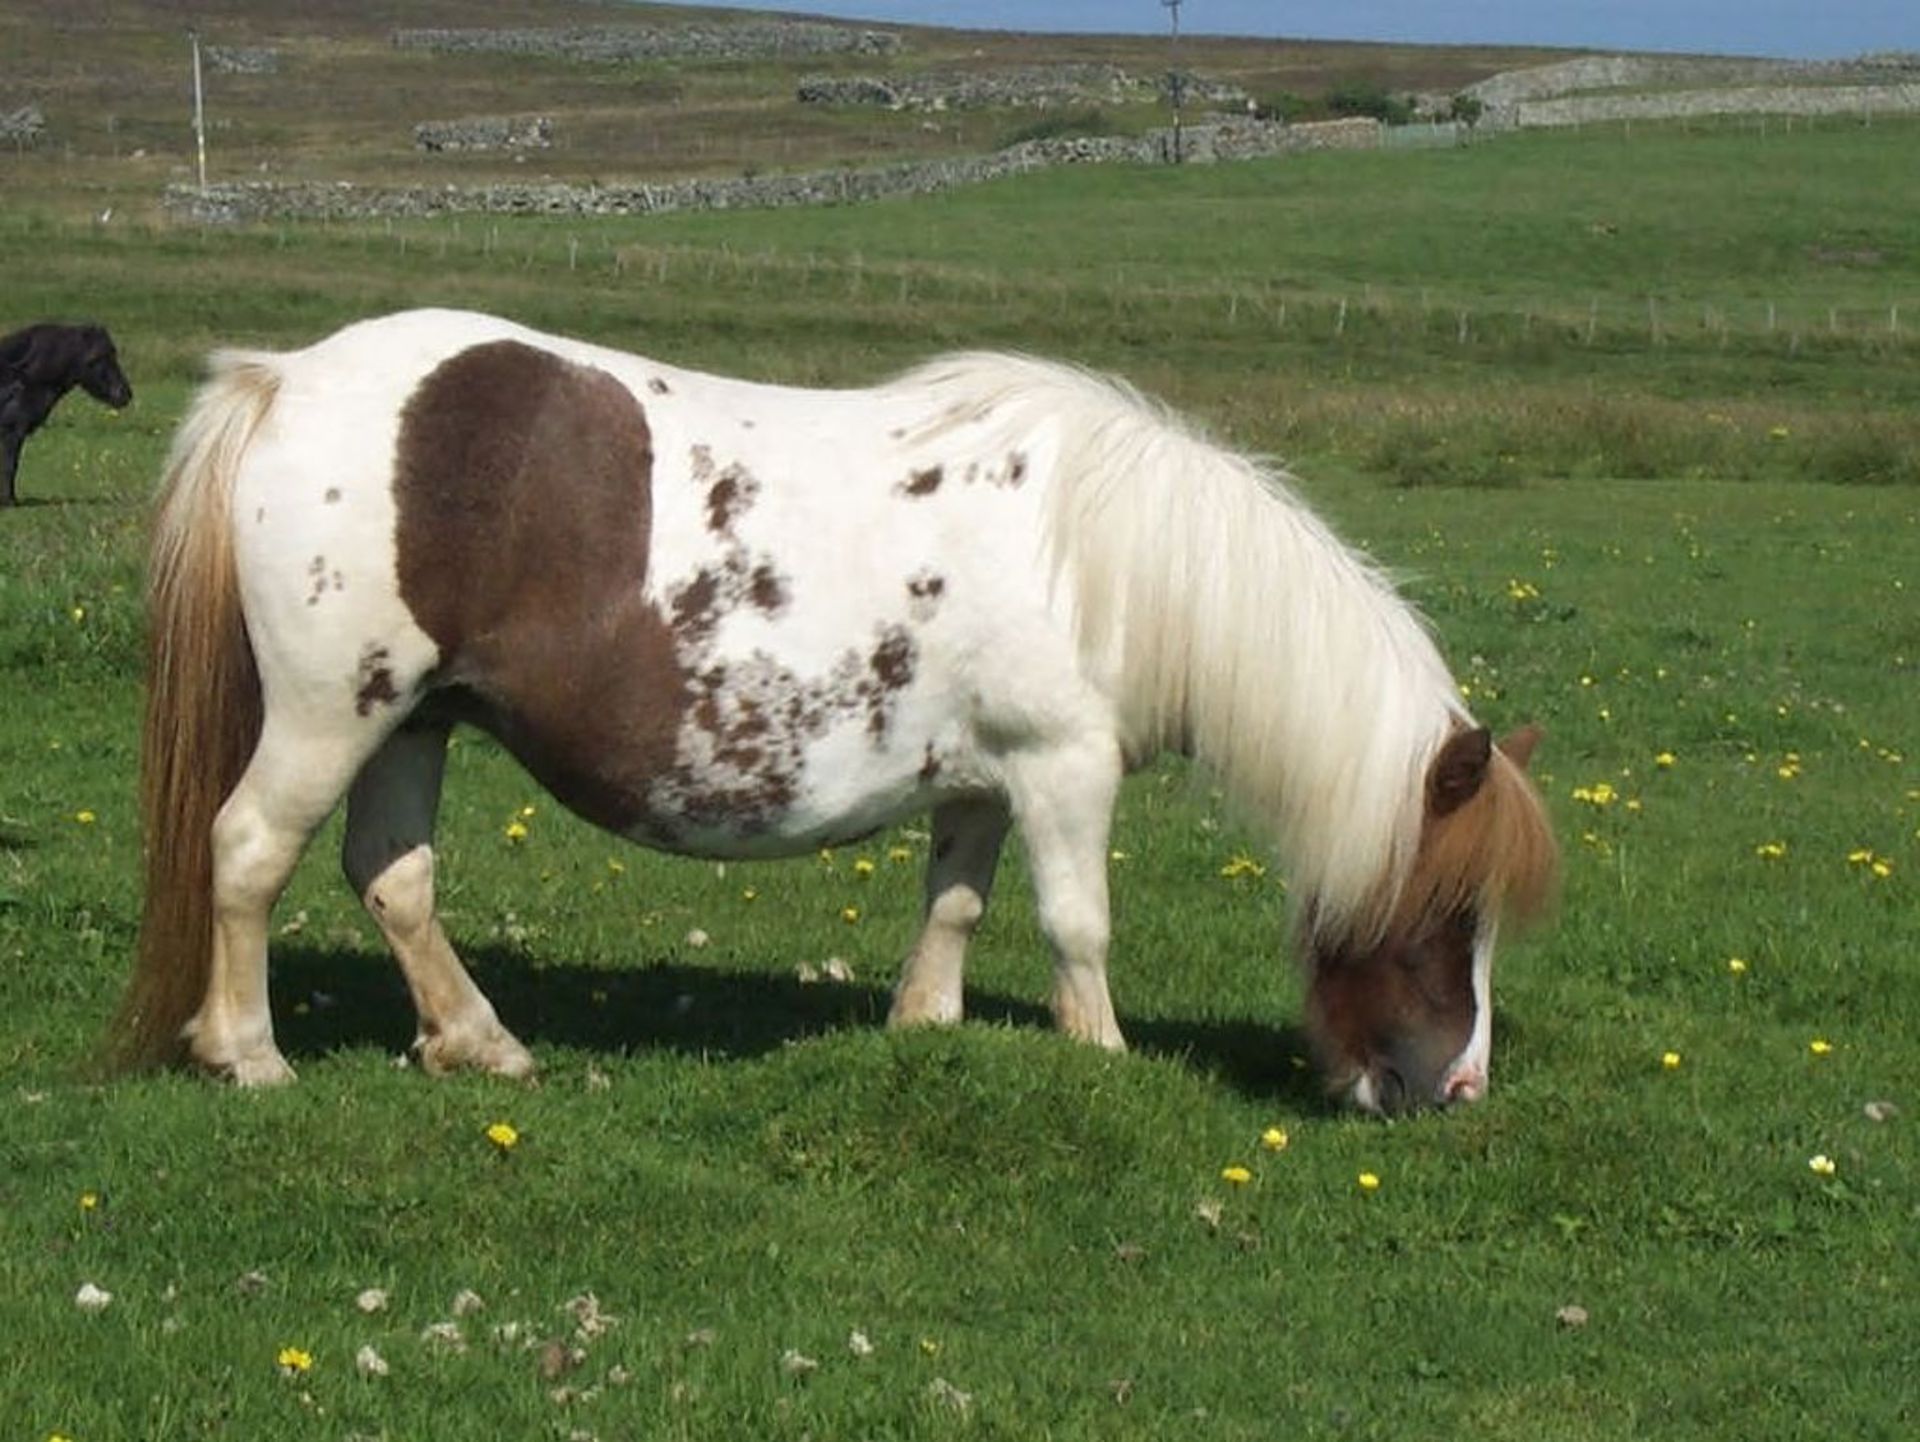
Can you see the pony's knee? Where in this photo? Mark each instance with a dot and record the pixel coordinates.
(400, 894)
(958, 908)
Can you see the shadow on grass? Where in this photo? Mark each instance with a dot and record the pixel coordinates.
(326, 1000)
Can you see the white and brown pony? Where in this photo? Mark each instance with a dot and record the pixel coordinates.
(736, 620)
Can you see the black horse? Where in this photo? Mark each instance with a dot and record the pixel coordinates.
(38, 365)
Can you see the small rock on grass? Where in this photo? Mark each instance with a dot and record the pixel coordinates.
(1572, 1316)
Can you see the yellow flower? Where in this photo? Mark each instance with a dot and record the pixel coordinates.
(294, 1360)
(1822, 1165)
(1522, 590)
(504, 1135)
(1670, 1060)
(1770, 850)
(515, 832)
(1737, 965)
(1368, 1182)
(89, 1201)
(863, 867)
(748, 893)
(850, 914)
(85, 818)
(1819, 1046)
(1274, 1139)
(616, 868)
(929, 1347)
(1242, 865)
(1664, 761)
(1600, 794)
(1881, 867)
(899, 853)
(1238, 1176)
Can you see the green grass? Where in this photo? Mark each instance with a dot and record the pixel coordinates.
(1635, 540)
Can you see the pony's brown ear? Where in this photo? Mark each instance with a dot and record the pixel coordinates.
(1517, 746)
(1456, 773)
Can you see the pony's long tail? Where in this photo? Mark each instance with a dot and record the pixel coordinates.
(203, 708)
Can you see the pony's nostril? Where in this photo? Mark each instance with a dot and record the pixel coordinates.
(1392, 1088)
(1466, 1087)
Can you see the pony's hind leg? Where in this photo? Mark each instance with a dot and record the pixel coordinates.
(290, 785)
(1063, 799)
(388, 859)
(966, 846)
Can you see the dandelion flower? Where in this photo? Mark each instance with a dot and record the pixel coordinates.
(1820, 1046)
(1600, 794)
(1242, 865)
(1368, 1182)
(1670, 1060)
(748, 893)
(294, 1360)
(1737, 965)
(89, 1201)
(850, 914)
(1821, 1165)
(1237, 1176)
(85, 818)
(504, 1135)
(863, 867)
(1770, 850)
(515, 831)
(1664, 761)
(1274, 1139)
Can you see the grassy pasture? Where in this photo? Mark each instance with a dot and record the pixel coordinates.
(1687, 534)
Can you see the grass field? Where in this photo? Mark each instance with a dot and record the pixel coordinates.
(1685, 539)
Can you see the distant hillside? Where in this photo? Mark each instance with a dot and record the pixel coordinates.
(332, 89)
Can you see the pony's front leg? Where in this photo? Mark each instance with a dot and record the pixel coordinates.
(1063, 800)
(388, 858)
(966, 848)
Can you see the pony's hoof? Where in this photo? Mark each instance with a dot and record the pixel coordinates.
(496, 1051)
(915, 1007)
(259, 1069)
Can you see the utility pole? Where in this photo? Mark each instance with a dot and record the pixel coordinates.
(199, 112)
(1173, 71)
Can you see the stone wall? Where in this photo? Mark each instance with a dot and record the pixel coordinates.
(1671, 86)
(749, 40)
(1029, 87)
(22, 127)
(1862, 100)
(242, 60)
(266, 200)
(485, 132)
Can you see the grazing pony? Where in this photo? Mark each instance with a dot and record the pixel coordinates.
(38, 365)
(736, 620)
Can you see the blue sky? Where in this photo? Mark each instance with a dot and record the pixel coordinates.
(1739, 27)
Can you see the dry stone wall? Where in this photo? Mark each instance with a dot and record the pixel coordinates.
(265, 200)
(616, 43)
(1862, 100)
(1631, 87)
(1029, 87)
(485, 132)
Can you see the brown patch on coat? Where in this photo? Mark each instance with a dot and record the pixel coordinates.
(922, 482)
(374, 681)
(1016, 471)
(730, 491)
(1396, 993)
(924, 590)
(524, 492)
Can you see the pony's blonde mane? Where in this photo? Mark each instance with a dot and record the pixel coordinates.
(1232, 625)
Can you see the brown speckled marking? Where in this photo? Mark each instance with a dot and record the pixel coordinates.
(317, 574)
(924, 590)
(658, 386)
(1016, 468)
(730, 491)
(923, 482)
(375, 681)
(929, 767)
(332, 496)
(524, 492)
